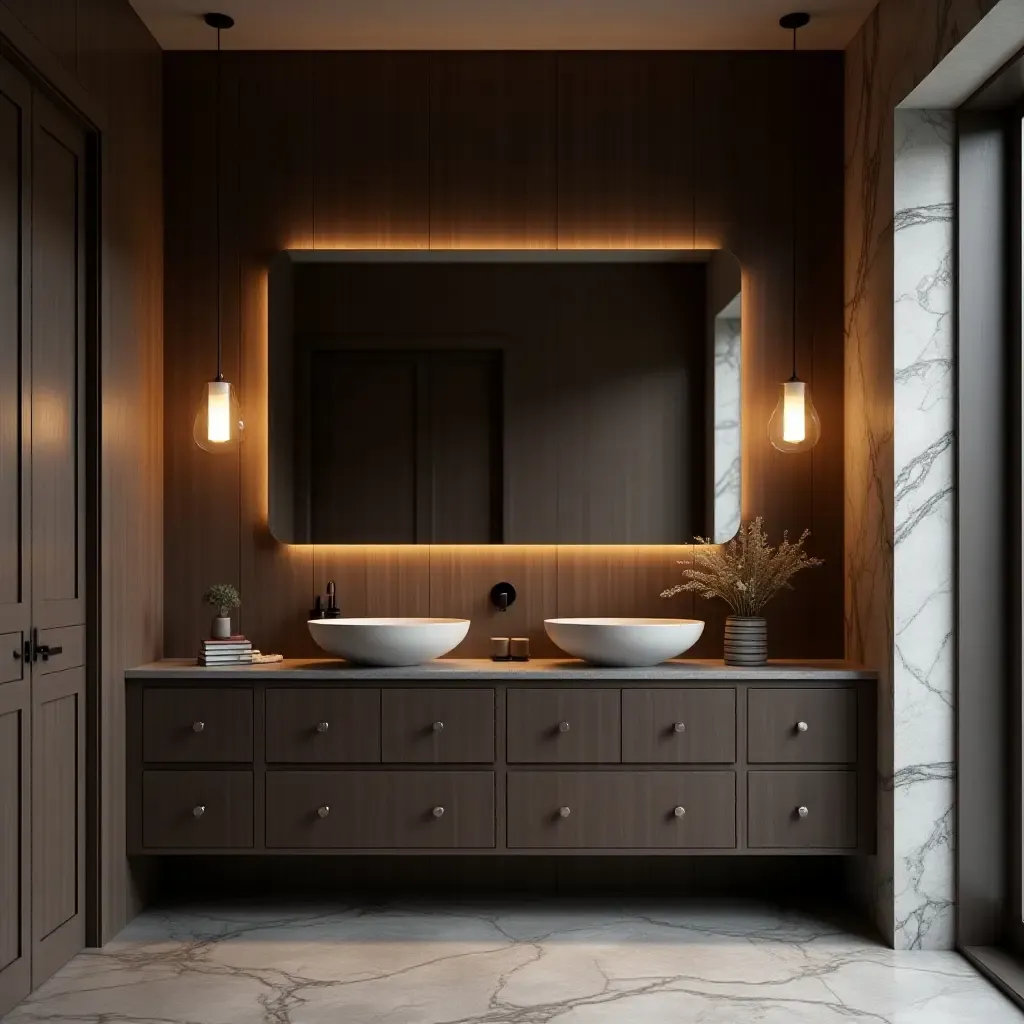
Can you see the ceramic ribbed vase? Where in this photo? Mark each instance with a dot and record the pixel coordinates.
(746, 640)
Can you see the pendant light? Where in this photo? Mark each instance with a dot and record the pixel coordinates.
(218, 424)
(794, 426)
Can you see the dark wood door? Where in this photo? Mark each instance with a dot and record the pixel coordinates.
(437, 725)
(563, 726)
(380, 810)
(42, 536)
(622, 810)
(57, 549)
(679, 726)
(15, 556)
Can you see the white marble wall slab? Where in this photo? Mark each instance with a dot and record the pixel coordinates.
(923, 552)
(727, 427)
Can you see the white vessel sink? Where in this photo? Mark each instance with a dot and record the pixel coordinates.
(626, 643)
(388, 642)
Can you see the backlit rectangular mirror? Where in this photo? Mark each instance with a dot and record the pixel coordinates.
(485, 397)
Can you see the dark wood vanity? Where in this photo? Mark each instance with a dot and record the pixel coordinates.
(313, 757)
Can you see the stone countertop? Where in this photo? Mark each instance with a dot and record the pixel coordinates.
(472, 669)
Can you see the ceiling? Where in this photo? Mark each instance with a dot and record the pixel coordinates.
(501, 24)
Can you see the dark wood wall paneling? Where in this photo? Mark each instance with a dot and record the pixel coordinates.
(99, 55)
(456, 150)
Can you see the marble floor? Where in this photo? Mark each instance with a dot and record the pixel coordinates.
(531, 963)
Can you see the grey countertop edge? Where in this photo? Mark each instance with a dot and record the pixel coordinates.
(310, 670)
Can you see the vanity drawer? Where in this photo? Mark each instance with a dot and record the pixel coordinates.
(774, 800)
(197, 810)
(683, 726)
(563, 726)
(380, 810)
(193, 724)
(437, 726)
(622, 810)
(323, 725)
(802, 725)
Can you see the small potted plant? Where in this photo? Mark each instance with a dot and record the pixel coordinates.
(224, 598)
(746, 573)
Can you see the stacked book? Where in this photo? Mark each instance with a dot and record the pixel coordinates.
(235, 650)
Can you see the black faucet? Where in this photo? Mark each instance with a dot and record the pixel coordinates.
(502, 595)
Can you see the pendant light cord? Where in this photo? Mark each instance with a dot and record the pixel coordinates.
(216, 185)
(792, 185)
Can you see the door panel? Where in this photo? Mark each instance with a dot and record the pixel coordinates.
(15, 980)
(58, 826)
(64, 648)
(15, 364)
(58, 451)
(12, 667)
(10, 835)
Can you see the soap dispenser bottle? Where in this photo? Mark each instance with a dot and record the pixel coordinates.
(332, 611)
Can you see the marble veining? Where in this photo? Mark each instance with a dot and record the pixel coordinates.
(523, 963)
(899, 228)
(923, 537)
(728, 395)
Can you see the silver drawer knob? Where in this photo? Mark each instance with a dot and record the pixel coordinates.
(679, 812)
(198, 811)
(679, 727)
(437, 812)
(801, 727)
(802, 812)
(563, 726)
(198, 726)
(322, 812)
(322, 726)
(438, 727)
(564, 812)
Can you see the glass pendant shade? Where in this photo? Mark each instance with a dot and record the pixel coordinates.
(794, 426)
(218, 425)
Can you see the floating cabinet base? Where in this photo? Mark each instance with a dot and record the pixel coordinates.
(342, 763)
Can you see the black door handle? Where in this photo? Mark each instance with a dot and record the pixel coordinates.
(43, 651)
